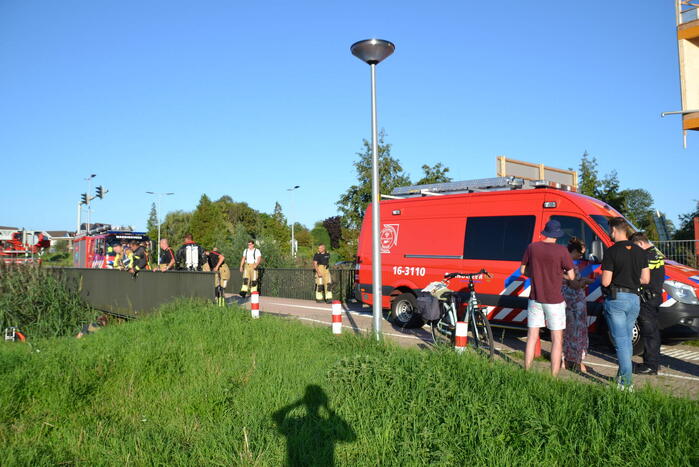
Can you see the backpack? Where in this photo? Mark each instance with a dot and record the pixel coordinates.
(428, 306)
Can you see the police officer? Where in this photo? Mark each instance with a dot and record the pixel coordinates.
(651, 298)
(248, 266)
(216, 262)
(321, 262)
(624, 269)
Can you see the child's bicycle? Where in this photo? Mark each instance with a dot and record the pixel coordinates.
(479, 333)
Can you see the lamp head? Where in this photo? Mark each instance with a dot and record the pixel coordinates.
(372, 51)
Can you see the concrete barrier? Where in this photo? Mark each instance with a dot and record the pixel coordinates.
(120, 293)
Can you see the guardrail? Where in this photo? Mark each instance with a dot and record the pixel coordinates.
(120, 293)
(682, 251)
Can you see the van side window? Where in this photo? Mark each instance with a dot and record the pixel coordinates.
(500, 238)
(575, 227)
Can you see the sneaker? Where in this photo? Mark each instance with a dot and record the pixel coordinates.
(643, 369)
(624, 387)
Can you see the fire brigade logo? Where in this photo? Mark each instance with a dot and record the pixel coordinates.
(389, 237)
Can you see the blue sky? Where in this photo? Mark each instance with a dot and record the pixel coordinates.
(250, 98)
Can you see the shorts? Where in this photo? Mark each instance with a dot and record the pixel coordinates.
(550, 315)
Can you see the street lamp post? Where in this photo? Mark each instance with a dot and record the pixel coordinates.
(158, 197)
(293, 238)
(373, 52)
(88, 198)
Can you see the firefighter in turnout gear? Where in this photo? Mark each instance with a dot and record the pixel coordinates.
(140, 258)
(216, 263)
(321, 264)
(248, 266)
(113, 252)
(190, 256)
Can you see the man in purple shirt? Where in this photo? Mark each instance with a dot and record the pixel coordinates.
(547, 263)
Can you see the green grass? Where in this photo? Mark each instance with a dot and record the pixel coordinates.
(197, 384)
(39, 303)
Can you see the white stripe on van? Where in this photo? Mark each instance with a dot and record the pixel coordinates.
(520, 317)
(504, 312)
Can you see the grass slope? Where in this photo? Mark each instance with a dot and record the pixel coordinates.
(202, 385)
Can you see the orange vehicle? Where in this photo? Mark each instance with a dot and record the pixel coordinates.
(466, 226)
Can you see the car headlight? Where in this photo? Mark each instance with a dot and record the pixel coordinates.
(683, 293)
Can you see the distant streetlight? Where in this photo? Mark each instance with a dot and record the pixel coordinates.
(373, 52)
(158, 197)
(293, 238)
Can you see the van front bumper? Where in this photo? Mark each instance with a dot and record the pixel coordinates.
(679, 322)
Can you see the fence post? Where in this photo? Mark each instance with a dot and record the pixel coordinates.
(461, 337)
(337, 317)
(696, 239)
(255, 305)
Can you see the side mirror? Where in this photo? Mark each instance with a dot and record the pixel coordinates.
(596, 251)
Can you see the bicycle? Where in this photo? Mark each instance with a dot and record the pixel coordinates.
(479, 333)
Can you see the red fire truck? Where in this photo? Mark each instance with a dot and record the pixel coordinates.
(23, 246)
(429, 230)
(89, 251)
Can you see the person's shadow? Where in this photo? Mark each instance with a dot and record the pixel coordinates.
(310, 439)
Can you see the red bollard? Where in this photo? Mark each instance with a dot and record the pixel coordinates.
(461, 338)
(337, 317)
(255, 305)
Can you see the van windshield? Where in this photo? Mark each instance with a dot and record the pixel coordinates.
(603, 221)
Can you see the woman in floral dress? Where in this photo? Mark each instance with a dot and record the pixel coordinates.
(575, 341)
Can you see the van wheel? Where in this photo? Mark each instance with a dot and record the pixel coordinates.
(404, 312)
(636, 342)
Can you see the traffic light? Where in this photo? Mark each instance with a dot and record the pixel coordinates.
(83, 198)
(99, 192)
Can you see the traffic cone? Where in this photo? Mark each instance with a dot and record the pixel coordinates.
(255, 304)
(537, 347)
(337, 317)
(461, 339)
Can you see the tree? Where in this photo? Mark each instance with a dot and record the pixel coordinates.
(605, 189)
(354, 201)
(638, 208)
(435, 174)
(686, 229)
(320, 234)
(589, 178)
(152, 223)
(334, 227)
(208, 225)
(175, 226)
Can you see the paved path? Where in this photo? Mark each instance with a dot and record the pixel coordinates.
(679, 374)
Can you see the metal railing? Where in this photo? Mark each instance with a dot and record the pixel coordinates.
(297, 283)
(682, 251)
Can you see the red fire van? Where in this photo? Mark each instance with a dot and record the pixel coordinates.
(465, 226)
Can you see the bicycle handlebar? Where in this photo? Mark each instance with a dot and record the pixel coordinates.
(469, 275)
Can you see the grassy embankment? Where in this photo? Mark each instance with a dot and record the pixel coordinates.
(39, 303)
(196, 384)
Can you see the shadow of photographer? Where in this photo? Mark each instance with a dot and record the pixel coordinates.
(311, 438)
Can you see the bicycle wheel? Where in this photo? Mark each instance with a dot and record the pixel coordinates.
(443, 330)
(480, 335)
